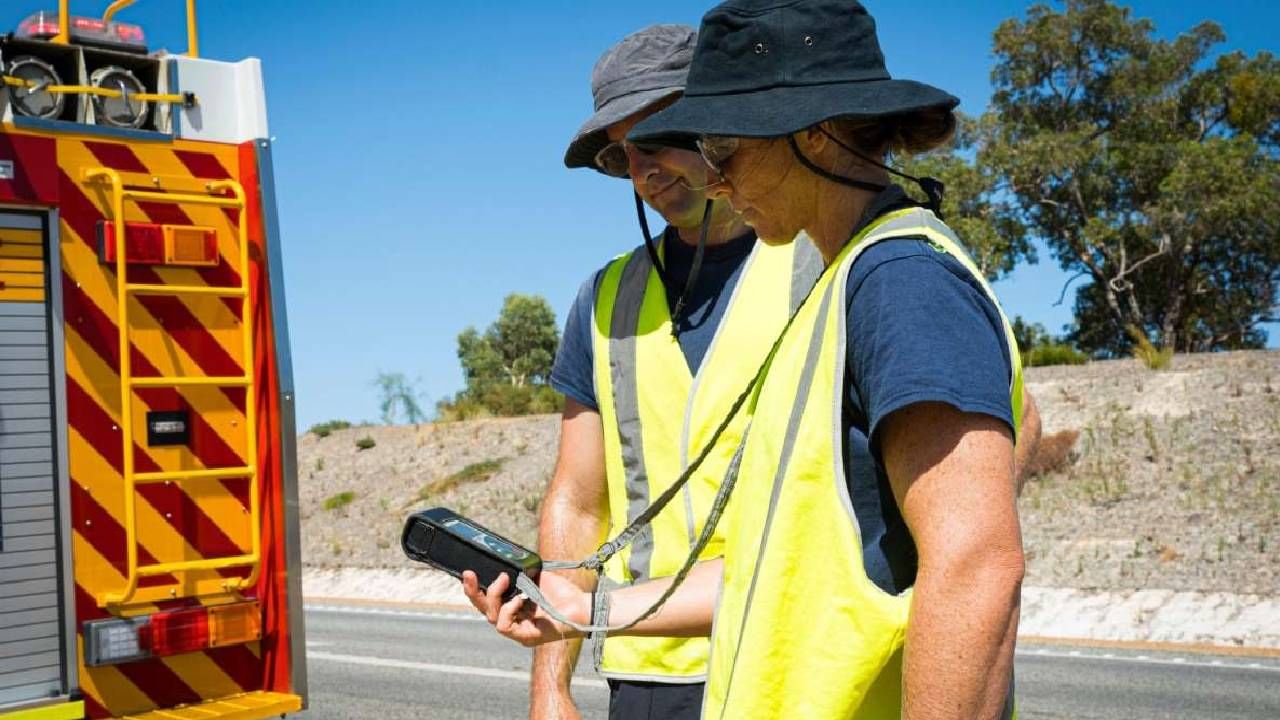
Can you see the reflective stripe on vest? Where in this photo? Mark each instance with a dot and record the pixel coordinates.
(801, 631)
(656, 416)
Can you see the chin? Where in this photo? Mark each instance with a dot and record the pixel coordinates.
(772, 235)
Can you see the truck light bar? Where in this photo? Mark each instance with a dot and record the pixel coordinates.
(121, 640)
(155, 244)
(85, 31)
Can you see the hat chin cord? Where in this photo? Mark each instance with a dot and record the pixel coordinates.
(932, 187)
(694, 270)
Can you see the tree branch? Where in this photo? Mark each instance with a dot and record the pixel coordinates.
(1067, 284)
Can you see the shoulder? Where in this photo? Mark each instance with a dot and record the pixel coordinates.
(908, 256)
(921, 327)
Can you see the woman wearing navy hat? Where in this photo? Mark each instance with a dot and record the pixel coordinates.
(873, 560)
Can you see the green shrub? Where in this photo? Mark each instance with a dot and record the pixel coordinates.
(1053, 353)
(1151, 356)
(340, 500)
(365, 443)
(475, 472)
(325, 428)
(460, 408)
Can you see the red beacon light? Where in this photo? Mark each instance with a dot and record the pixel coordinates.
(85, 31)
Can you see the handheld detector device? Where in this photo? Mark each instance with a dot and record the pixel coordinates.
(447, 541)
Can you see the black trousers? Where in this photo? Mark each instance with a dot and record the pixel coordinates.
(654, 701)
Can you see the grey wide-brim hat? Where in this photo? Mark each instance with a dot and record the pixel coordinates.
(764, 68)
(645, 67)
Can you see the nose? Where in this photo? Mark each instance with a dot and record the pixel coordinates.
(641, 165)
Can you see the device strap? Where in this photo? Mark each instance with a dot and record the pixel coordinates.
(599, 624)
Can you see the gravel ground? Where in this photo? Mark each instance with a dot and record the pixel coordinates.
(1173, 484)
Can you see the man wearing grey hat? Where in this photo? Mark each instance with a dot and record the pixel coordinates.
(657, 346)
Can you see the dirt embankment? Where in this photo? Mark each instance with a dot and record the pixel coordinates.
(1173, 482)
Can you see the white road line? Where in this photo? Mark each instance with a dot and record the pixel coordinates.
(521, 675)
(1038, 652)
(1147, 660)
(430, 614)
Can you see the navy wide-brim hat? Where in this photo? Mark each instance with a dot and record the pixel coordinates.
(764, 68)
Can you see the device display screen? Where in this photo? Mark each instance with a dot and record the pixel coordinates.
(497, 545)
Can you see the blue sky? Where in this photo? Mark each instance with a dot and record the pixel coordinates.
(418, 157)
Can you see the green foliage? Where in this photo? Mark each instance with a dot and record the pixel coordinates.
(460, 408)
(475, 472)
(340, 500)
(396, 397)
(974, 204)
(1053, 353)
(1147, 167)
(1151, 356)
(1039, 348)
(507, 368)
(325, 428)
(365, 443)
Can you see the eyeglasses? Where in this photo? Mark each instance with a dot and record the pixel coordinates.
(716, 151)
(612, 159)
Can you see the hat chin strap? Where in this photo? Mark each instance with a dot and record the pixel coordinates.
(932, 187)
(663, 274)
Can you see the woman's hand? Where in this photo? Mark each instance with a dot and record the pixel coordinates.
(519, 619)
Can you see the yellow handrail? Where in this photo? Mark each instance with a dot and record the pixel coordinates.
(64, 23)
(193, 37)
(119, 193)
(93, 90)
(114, 8)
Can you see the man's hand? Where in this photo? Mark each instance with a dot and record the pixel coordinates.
(521, 620)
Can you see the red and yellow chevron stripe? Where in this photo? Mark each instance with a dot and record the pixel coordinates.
(170, 336)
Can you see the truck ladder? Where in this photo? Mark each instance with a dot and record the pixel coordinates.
(122, 188)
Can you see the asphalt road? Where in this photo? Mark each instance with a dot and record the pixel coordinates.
(394, 665)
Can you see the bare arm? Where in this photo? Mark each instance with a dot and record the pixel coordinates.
(951, 474)
(1028, 438)
(687, 613)
(575, 518)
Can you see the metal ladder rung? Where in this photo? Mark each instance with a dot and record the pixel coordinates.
(138, 289)
(183, 199)
(207, 564)
(180, 475)
(175, 381)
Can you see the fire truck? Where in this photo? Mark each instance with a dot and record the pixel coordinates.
(149, 533)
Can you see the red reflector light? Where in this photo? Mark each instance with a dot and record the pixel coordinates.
(152, 244)
(121, 640)
(179, 632)
(144, 243)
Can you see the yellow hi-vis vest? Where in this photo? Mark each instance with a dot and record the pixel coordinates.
(800, 630)
(657, 417)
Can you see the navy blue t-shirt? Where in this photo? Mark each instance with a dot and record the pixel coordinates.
(919, 328)
(572, 373)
